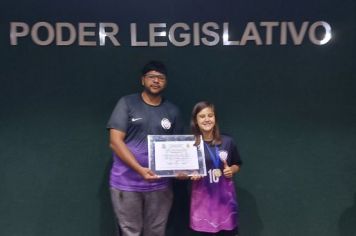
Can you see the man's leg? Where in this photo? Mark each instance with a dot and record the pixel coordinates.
(157, 205)
(128, 208)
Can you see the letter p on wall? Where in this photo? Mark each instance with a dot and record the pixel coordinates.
(18, 29)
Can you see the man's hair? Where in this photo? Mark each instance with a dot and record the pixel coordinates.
(156, 66)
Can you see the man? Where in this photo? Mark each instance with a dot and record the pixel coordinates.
(140, 198)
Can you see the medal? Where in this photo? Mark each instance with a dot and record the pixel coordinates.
(215, 160)
(217, 172)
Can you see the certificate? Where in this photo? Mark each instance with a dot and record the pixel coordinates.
(171, 155)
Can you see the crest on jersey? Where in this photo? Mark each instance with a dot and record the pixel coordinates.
(166, 124)
(223, 155)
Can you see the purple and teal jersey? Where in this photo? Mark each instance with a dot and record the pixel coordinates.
(214, 205)
(138, 119)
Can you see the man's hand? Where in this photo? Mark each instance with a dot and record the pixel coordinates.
(148, 174)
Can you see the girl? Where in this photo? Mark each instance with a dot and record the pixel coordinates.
(214, 208)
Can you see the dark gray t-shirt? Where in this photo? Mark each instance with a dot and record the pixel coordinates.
(138, 119)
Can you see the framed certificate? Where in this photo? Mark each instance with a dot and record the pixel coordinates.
(171, 155)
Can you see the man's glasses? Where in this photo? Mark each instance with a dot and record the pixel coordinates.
(153, 76)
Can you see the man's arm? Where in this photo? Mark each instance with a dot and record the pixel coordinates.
(118, 145)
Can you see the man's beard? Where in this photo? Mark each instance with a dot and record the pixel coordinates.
(158, 94)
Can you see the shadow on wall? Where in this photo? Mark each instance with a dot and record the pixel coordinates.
(250, 221)
(178, 221)
(347, 221)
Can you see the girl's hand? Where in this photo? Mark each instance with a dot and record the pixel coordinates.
(196, 177)
(228, 172)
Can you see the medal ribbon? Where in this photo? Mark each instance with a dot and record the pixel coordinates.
(214, 157)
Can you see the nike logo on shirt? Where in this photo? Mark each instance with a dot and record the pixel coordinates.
(135, 119)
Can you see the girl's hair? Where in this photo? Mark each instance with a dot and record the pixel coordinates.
(194, 125)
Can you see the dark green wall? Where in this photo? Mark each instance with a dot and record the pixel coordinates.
(291, 109)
